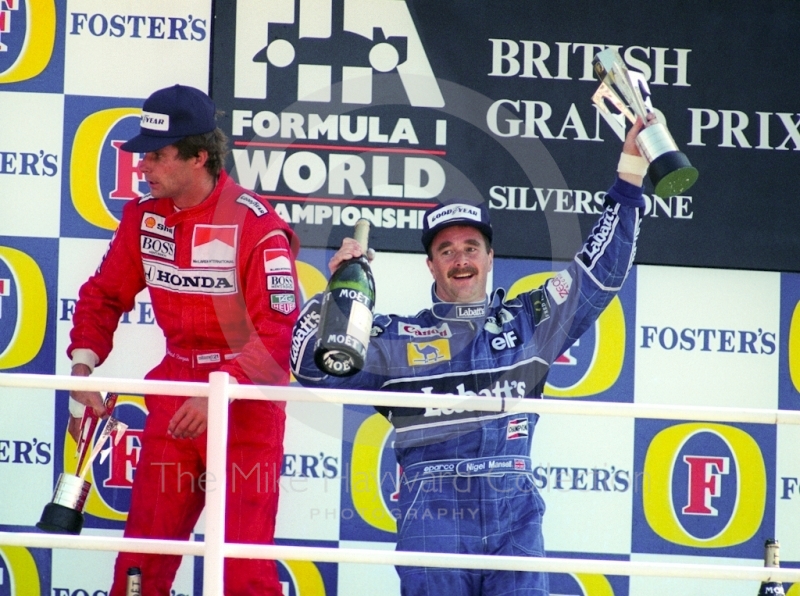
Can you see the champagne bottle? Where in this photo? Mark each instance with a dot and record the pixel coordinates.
(346, 315)
(134, 582)
(771, 559)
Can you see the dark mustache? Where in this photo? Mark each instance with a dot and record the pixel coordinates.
(460, 271)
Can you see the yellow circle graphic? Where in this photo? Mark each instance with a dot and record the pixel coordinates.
(368, 500)
(24, 573)
(593, 584)
(609, 352)
(31, 322)
(311, 279)
(793, 352)
(37, 49)
(84, 178)
(306, 578)
(751, 497)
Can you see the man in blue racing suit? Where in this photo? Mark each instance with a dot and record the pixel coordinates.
(475, 466)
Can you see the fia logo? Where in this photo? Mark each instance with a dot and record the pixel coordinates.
(27, 38)
(367, 36)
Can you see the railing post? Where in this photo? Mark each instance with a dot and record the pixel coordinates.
(216, 482)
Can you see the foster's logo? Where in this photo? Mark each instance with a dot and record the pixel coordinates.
(19, 572)
(371, 483)
(704, 485)
(102, 177)
(27, 38)
(23, 308)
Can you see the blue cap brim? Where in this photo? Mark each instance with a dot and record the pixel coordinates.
(146, 143)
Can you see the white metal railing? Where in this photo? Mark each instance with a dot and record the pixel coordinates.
(214, 549)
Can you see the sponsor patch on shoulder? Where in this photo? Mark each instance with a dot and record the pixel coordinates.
(284, 303)
(253, 204)
(276, 261)
(517, 428)
(559, 286)
(280, 282)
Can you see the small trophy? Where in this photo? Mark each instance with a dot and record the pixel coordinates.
(669, 170)
(64, 513)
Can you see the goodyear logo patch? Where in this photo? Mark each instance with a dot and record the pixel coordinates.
(428, 352)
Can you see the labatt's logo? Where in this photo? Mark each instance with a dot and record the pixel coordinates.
(706, 485)
(23, 308)
(112, 474)
(300, 578)
(609, 354)
(19, 575)
(27, 38)
(380, 33)
(102, 176)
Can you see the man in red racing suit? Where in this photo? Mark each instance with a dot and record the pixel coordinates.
(219, 266)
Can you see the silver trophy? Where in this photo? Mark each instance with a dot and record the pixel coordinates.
(669, 170)
(64, 513)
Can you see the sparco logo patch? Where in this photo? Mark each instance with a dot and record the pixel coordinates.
(189, 281)
(153, 223)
